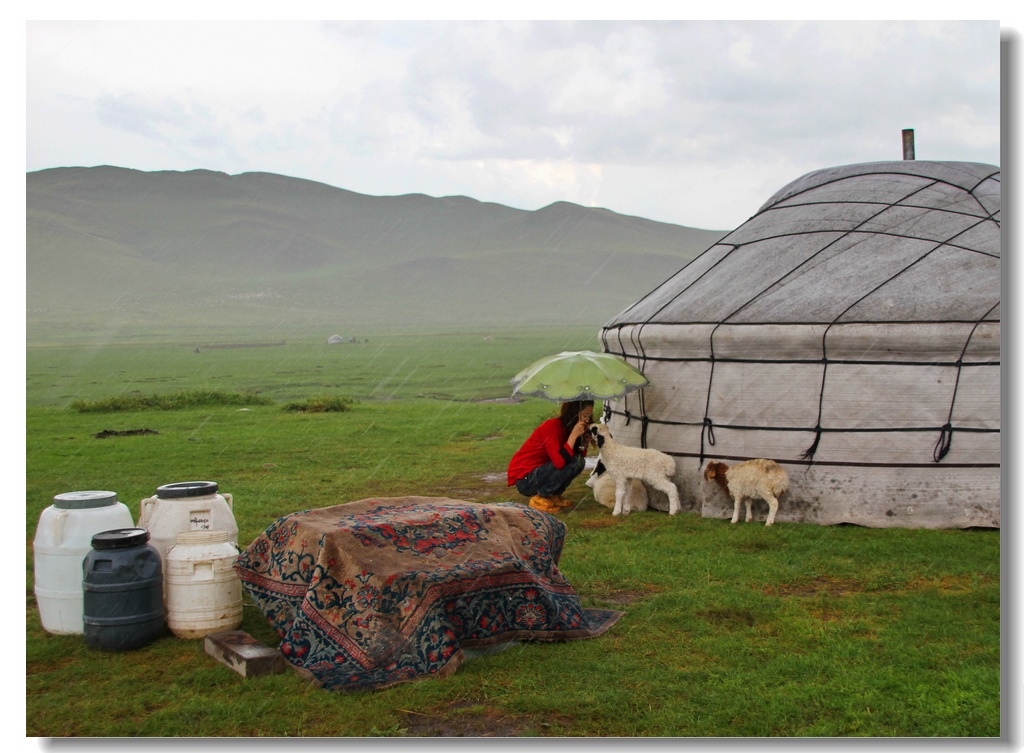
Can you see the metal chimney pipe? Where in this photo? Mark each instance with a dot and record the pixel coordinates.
(908, 143)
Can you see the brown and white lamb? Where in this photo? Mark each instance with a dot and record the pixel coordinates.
(751, 479)
(653, 467)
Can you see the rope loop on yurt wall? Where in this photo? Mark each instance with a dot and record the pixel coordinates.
(708, 429)
(808, 454)
(945, 441)
(706, 432)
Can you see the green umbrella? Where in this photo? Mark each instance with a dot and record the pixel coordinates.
(578, 375)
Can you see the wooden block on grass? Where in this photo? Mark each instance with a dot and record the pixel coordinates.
(244, 654)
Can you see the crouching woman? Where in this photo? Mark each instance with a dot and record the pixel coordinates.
(552, 456)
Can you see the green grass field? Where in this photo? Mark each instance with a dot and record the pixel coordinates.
(729, 631)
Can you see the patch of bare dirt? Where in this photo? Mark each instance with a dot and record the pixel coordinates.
(491, 487)
(819, 585)
(624, 598)
(127, 433)
(946, 583)
(727, 617)
(607, 594)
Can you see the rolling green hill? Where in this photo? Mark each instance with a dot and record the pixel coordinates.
(114, 251)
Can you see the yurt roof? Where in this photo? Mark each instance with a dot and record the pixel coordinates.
(908, 241)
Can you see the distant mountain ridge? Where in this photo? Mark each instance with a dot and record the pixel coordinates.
(112, 248)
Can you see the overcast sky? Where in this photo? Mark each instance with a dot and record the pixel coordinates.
(691, 122)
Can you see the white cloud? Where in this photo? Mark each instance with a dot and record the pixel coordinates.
(627, 115)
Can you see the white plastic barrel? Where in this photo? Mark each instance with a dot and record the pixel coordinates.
(63, 539)
(186, 506)
(202, 590)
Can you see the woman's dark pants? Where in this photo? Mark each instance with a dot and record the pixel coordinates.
(548, 481)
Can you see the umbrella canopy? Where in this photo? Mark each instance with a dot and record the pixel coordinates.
(578, 375)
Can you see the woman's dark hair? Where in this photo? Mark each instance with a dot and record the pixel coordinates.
(570, 413)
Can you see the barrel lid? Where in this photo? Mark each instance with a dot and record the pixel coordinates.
(186, 489)
(120, 538)
(84, 500)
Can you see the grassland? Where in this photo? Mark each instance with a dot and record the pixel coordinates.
(729, 631)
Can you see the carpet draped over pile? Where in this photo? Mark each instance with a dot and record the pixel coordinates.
(381, 591)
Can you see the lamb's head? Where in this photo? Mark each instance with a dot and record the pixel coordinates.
(715, 471)
(598, 470)
(600, 432)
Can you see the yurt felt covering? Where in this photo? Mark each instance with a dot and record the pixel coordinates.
(850, 330)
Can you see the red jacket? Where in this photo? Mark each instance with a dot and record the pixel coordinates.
(548, 443)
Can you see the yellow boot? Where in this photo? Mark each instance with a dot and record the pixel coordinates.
(543, 504)
(561, 501)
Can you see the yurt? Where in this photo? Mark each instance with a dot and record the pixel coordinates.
(849, 330)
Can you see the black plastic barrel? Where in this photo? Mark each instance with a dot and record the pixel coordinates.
(122, 586)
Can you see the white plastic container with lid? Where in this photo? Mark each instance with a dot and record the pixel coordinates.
(186, 506)
(122, 584)
(203, 592)
(63, 539)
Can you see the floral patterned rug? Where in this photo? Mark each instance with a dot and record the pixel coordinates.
(382, 591)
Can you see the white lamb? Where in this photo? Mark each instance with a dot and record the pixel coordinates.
(751, 479)
(604, 490)
(652, 467)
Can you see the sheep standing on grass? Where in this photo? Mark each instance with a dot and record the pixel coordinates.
(651, 467)
(759, 478)
(604, 490)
